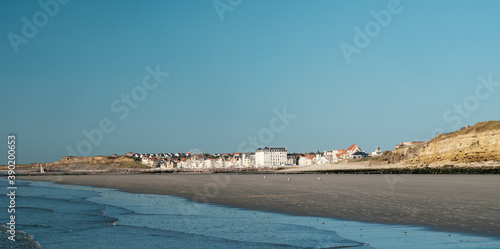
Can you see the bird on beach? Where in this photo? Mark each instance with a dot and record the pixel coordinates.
(288, 179)
(319, 178)
(264, 176)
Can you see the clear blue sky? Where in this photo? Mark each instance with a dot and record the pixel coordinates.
(227, 76)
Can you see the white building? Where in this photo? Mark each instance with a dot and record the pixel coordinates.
(246, 160)
(331, 156)
(321, 158)
(208, 163)
(305, 160)
(151, 162)
(377, 152)
(270, 157)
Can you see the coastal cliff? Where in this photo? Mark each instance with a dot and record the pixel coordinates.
(478, 144)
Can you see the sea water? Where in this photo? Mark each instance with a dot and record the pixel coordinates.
(49, 215)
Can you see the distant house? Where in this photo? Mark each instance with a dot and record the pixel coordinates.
(208, 163)
(377, 152)
(321, 158)
(358, 155)
(331, 156)
(150, 161)
(353, 149)
(292, 159)
(340, 154)
(306, 159)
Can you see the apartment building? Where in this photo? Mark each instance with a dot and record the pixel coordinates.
(270, 157)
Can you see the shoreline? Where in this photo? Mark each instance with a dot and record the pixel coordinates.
(445, 170)
(452, 203)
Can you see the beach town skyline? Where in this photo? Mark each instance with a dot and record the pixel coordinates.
(250, 124)
(173, 76)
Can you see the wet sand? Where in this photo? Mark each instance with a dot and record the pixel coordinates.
(455, 203)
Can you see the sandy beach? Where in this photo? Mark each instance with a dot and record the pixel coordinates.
(455, 203)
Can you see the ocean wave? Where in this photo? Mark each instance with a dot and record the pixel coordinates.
(113, 223)
(340, 243)
(122, 209)
(207, 239)
(37, 226)
(51, 198)
(39, 208)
